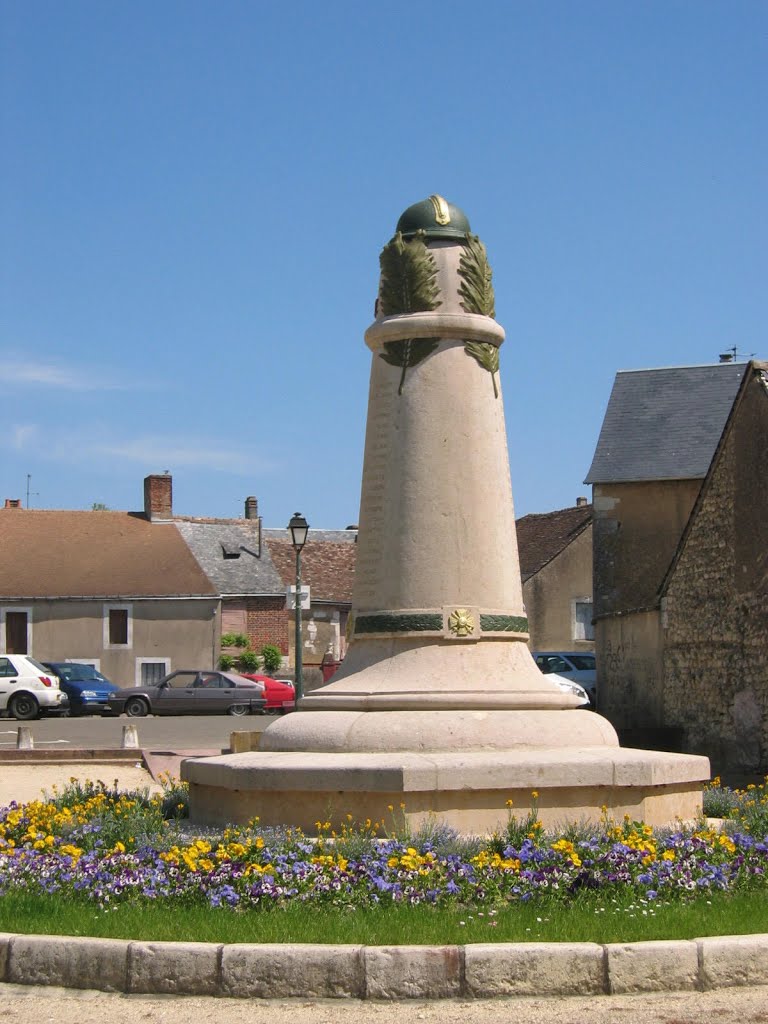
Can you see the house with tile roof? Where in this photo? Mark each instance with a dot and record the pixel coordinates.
(555, 550)
(681, 601)
(139, 594)
(120, 590)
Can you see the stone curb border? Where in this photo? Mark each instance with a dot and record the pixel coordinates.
(481, 971)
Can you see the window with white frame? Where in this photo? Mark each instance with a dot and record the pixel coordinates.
(151, 670)
(582, 619)
(118, 626)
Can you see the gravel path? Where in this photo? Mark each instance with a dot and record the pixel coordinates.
(727, 1006)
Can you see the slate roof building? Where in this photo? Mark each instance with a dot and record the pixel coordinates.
(234, 557)
(555, 550)
(680, 513)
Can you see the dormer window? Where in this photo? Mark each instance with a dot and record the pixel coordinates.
(230, 550)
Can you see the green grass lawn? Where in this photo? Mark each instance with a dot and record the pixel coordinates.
(584, 919)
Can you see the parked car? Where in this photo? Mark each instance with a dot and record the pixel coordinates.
(578, 666)
(88, 690)
(569, 686)
(191, 692)
(28, 688)
(280, 693)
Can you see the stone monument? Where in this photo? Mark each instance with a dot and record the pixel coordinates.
(438, 707)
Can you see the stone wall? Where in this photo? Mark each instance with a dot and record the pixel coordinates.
(716, 604)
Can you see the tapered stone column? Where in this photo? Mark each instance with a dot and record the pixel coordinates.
(438, 704)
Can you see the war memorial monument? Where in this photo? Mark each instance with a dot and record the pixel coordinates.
(438, 708)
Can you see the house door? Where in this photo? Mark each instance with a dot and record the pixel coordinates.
(16, 633)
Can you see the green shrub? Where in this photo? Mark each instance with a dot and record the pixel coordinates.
(248, 661)
(226, 662)
(272, 656)
(234, 640)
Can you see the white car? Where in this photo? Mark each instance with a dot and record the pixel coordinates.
(569, 686)
(27, 688)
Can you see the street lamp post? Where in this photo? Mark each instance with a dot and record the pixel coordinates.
(298, 529)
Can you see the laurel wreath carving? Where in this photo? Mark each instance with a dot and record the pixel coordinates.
(408, 285)
(408, 273)
(487, 356)
(477, 296)
(407, 353)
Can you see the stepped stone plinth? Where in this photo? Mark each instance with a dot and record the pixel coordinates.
(438, 707)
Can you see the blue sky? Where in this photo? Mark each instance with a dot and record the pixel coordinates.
(194, 196)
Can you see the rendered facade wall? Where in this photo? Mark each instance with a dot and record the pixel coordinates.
(549, 597)
(637, 527)
(182, 633)
(630, 670)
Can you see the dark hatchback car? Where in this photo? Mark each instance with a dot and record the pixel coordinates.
(88, 690)
(191, 692)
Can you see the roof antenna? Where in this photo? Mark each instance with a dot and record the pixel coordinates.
(731, 355)
(34, 494)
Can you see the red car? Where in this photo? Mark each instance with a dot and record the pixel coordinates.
(281, 696)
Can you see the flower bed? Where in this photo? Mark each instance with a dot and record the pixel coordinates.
(94, 844)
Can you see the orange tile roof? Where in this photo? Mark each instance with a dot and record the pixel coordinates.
(542, 536)
(45, 553)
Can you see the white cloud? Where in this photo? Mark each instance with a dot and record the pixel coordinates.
(94, 445)
(170, 453)
(22, 435)
(42, 374)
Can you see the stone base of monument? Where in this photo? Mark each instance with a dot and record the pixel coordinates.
(462, 769)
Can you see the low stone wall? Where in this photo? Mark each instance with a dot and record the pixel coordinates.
(482, 971)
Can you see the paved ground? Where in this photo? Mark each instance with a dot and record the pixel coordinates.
(23, 782)
(169, 732)
(729, 1006)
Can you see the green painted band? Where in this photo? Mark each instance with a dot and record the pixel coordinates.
(428, 622)
(503, 624)
(399, 623)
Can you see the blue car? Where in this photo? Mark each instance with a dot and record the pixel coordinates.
(88, 690)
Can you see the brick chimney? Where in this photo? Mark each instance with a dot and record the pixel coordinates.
(581, 502)
(13, 503)
(251, 508)
(158, 497)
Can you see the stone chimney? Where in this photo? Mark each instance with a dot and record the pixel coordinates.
(581, 502)
(13, 503)
(251, 508)
(158, 497)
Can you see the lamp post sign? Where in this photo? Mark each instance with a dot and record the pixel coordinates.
(298, 528)
(290, 598)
